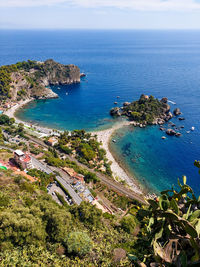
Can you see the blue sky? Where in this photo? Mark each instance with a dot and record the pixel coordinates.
(100, 14)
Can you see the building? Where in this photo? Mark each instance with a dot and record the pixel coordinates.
(74, 174)
(23, 159)
(7, 105)
(52, 141)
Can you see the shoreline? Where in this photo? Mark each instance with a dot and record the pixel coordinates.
(40, 129)
(120, 173)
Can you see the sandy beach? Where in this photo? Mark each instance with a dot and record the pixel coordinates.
(103, 136)
(11, 113)
(118, 172)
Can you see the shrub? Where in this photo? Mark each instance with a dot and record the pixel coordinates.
(128, 223)
(78, 243)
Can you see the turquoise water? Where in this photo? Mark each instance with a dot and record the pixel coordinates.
(125, 64)
(157, 163)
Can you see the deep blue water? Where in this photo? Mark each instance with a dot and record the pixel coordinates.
(125, 64)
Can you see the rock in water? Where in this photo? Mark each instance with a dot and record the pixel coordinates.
(164, 100)
(115, 112)
(177, 111)
(126, 104)
(171, 132)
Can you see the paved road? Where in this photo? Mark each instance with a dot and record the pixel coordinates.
(63, 179)
(54, 188)
(104, 179)
(44, 167)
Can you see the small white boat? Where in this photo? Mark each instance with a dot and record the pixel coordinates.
(188, 132)
(58, 88)
(67, 93)
(192, 128)
(114, 141)
(163, 137)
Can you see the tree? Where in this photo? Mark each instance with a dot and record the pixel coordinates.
(78, 243)
(19, 227)
(88, 214)
(128, 223)
(12, 121)
(4, 119)
(91, 177)
(87, 152)
(57, 221)
(20, 128)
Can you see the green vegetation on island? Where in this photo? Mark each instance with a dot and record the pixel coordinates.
(146, 110)
(29, 79)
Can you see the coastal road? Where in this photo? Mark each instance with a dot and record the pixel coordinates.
(63, 178)
(104, 179)
(44, 167)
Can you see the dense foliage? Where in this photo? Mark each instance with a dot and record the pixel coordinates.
(85, 148)
(5, 80)
(35, 231)
(5, 76)
(144, 109)
(5, 120)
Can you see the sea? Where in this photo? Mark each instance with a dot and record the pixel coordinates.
(123, 64)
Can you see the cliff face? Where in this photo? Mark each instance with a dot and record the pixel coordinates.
(56, 73)
(30, 79)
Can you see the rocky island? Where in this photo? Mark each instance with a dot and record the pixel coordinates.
(145, 111)
(30, 79)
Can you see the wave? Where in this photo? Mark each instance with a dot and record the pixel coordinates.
(172, 102)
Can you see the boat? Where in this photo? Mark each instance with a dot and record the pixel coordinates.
(163, 137)
(67, 93)
(192, 128)
(58, 88)
(115, 103)
(117, 96)
(114, 141)
(188, 132)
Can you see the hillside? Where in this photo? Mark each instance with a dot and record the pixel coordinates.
(39, 226)
(30, 79)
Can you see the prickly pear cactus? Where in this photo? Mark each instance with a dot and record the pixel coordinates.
(174, 224)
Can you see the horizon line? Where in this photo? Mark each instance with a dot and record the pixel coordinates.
(105, 29)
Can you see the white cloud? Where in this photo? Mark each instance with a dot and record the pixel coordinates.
(143, 5)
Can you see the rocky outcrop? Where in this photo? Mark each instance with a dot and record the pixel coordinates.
(171, 132)
(146, 110)
(164, 100)
(56, 73)
(177, 111)
(33, 78)
(115, 112)
(125, 104)
(181, 119)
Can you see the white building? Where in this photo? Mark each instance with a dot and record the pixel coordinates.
(23, 159)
